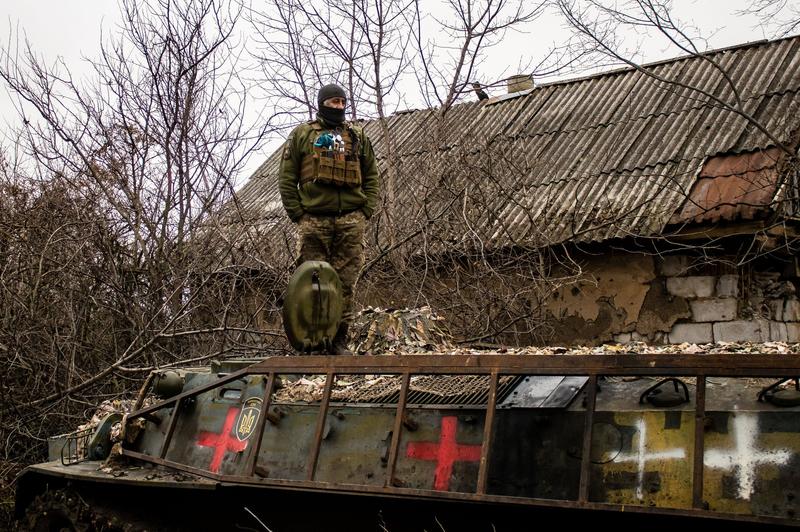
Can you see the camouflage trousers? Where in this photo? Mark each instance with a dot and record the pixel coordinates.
(338, 240)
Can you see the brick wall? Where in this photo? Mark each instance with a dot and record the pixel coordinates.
(751, 305)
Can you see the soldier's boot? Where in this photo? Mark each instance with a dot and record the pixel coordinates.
(339, 347)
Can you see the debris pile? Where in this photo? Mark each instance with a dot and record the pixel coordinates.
(81, 436)
(642, 348)
(422, 331)
(637, 348)
(769, 285)
(113, 406)
(346, 388)
(384, 332)
(385, 388)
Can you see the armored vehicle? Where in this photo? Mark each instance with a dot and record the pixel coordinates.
(473, 441)
(452, 440)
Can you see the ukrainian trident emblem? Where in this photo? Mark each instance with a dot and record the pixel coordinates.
(248, 417)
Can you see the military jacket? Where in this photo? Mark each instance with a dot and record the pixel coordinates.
(318, 197)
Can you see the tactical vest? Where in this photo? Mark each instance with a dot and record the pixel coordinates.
(324, 165)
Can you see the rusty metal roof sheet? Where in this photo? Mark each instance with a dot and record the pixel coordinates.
(732, 187)
(607, 156)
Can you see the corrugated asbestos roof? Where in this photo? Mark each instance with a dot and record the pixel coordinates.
(607, 156)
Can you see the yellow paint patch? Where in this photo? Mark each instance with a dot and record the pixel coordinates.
(658, 465)
(622, 280)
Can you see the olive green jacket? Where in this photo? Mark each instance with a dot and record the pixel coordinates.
(319, 198)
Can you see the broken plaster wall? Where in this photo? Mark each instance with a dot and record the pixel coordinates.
(625, 297)
(754, 303)
(620, 293)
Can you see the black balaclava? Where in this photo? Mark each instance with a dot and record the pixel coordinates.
(331, 115)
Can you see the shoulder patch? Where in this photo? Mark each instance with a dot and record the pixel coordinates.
(287, 147)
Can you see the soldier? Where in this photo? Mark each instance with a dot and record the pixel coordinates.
(329, 188)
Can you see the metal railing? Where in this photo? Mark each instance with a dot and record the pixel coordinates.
(406, 366)
(76, 446)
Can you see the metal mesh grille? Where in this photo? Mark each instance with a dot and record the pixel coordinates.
(383, 389)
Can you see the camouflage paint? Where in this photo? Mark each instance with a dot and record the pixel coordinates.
(648, 463)
(640, 457)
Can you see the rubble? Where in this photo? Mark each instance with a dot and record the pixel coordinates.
(117, 406)
(387, 331)
(112, 406)
(420, 331)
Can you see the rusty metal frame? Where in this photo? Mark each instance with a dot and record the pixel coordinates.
(266, 399)
(488, 434)
(699, 442)
(173, 421)
(397, 428)
(586, 452)
(313, 456)
(593, 366)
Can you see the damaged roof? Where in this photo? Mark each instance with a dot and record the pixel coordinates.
(612, 155)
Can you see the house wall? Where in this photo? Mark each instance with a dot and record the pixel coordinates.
(626, 297)
(620, 297)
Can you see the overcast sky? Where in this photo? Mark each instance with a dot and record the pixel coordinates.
(72, 29)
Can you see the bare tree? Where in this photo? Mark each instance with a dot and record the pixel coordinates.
(373, 41)
(370, 58)
(601, 29)
(377, 57)
(471, 28)
(782, 15)
(104, 261)
(600, 25)
(293, 62)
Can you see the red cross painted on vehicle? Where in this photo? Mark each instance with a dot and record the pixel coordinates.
(445, 453)
(223, 441)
